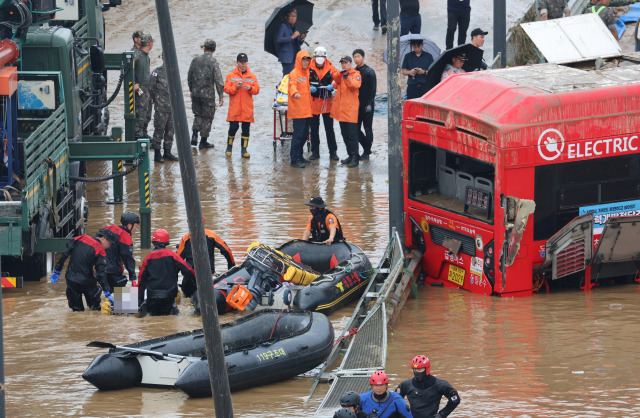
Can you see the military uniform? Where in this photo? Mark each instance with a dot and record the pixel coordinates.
(554, 9)
(204, 80)
(162, 120)
(606, 14)
(142, 72)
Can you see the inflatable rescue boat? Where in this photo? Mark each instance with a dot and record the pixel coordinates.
(264, 347)
(299, 274)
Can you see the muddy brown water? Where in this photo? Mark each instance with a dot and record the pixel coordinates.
(565, 354)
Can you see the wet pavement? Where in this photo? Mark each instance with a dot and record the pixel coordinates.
(568, 353)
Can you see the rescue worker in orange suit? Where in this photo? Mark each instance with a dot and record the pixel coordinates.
(120, 255)
(323, 226)
(425, 391)
(241, 85)
(299, 108)
(320, 72)
(345, 108)
(159, 278)
(86, 269)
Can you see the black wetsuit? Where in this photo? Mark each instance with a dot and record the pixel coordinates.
(424, 397)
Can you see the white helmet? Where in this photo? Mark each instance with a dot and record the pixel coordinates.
(320, 52)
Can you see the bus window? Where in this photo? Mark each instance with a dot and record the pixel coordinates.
(443, 179)
(561, 189)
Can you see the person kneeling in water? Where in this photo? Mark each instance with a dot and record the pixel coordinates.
(159, 278)
(380, 401)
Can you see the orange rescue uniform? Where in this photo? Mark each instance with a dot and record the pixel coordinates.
(345, 103)
(318, 105)
(299, 83)
(241, 99)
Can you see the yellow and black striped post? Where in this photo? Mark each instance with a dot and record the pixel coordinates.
(117, 166)
(145, 195)
(129, 99)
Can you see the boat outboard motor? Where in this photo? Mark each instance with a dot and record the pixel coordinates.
(263, 282)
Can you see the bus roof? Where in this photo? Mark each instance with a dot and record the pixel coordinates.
(511, 99)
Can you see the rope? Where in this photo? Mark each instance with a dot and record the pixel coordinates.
(128, 171)
(351, 333)
(274, 325)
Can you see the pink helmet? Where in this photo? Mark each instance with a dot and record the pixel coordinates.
(379, 378)
(420, 362)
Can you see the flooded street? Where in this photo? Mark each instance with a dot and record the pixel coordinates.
(565, 354)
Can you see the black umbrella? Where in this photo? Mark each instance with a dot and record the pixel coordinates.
(304, 22)
(474, 60)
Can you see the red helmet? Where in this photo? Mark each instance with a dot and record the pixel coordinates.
(161, 235)
(420, 362)
(379, 378)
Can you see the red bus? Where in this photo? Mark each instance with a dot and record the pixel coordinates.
(523, 177)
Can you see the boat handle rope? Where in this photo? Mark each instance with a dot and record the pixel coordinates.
(351, 333)
(277, 319)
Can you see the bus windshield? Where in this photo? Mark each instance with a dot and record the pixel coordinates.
(450, 181)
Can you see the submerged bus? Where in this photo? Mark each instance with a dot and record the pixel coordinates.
(522, 178)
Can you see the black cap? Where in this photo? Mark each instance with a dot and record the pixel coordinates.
(111, 236)
(242, 57)
(462, 56)
(317, 202)
(346, 58)
(478, 31)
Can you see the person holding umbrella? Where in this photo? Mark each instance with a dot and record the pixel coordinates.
(456, 66)
(415, 65)
(299, 107)
(290, 40)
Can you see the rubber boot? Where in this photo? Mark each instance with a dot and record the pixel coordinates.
(169, 156)
(355, 160)
(158, 156)
(194, 138)
(245, 144)
(204, 144)
(229, 146)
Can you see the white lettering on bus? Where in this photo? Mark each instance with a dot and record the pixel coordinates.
(595, 148)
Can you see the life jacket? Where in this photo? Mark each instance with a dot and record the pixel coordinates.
(320, 233)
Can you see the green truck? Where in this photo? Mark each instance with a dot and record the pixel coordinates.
(53, 88)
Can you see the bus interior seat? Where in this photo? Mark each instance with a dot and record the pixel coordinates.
(463, 180)
(447, 181)
(484, 184)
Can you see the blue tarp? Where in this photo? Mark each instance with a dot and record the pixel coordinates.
(632, 16)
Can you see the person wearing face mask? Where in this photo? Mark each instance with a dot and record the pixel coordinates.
(320, 72)
(381, 403)
(323, 226)
(425, 391)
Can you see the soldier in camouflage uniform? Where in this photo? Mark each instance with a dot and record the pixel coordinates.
(142, 76)
(162, 119)
(602, 9)
(204, 79)
(552, 9)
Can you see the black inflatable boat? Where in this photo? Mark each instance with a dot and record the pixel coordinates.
(261, 348)
(342, 268)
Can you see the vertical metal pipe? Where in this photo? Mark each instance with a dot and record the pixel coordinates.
(210, 323)
(129, 99)
(394, 102)
(500, 30)
(116, 166)
(143, 146)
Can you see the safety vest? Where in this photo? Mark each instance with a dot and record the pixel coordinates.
(593, 9)
(322, 233)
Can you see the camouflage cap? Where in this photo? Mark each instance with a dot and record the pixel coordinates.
(137, 34)
(209, 44)
(146, 39)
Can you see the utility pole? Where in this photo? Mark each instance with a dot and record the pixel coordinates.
(394, 119)
(210, 323)
(500, 31)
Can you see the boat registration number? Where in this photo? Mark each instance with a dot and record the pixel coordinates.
(456, 275)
